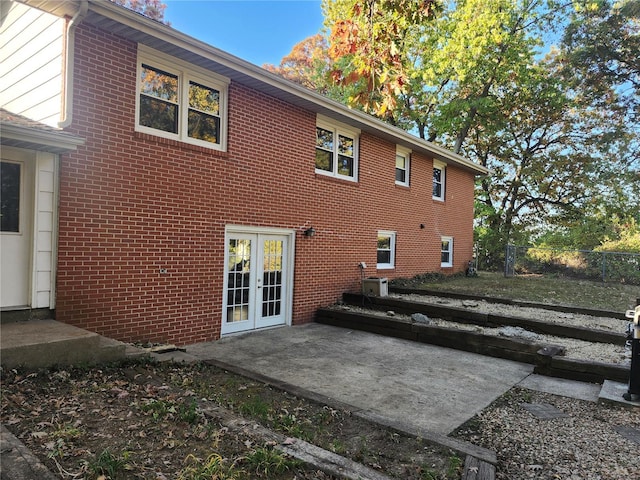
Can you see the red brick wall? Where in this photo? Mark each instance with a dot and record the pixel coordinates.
(131, 204)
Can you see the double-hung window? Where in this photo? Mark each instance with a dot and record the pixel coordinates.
(446, 252)
(439, 172)
(403, 164)
(386, 249)
(180, 101)
(336, 150)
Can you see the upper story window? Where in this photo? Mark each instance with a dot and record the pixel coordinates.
(180, 101)
(439, 173)
(446, 252)
(403, 166)
(386, 249)
(336, 150)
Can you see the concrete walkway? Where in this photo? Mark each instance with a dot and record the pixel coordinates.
(398, 381)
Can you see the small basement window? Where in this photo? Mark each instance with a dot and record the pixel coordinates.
(446, 252)
(386, 249)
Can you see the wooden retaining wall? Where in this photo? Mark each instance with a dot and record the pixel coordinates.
(547, 359)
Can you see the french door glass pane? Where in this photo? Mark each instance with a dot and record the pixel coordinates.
(238, 286)
(272, 278)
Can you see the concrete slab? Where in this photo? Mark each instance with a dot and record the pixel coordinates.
(562, 387)
(612, 392)
(434, 388)
(44, 343)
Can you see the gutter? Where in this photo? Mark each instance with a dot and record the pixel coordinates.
(67, 107)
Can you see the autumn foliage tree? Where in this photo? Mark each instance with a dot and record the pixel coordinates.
(307, 64)
(153, 9)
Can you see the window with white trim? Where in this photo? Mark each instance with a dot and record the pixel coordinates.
(336, 150)
(386, 249)
(446, 252)
(403, 166)
(439, 173)
(179, 101)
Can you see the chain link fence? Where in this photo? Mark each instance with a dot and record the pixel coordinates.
(585, 264)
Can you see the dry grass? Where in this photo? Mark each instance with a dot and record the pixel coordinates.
(543, 289)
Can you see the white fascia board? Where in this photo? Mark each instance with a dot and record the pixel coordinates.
(56, 142)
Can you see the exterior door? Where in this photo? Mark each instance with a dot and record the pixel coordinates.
(256, 284)
(16, 210)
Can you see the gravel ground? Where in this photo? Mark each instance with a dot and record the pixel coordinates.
(578, 349)
(588, 440)
(585, 444)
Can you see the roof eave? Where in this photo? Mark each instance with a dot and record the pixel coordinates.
(36, 139)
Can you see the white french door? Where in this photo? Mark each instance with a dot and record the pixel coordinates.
(257, 281)
(16, 197)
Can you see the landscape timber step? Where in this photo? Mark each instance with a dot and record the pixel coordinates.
(463, 315)
(45, 343)
(548, 359)
(506, 301)
(476, 469)
(583, 370)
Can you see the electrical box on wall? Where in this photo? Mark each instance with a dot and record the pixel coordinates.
(375, 286)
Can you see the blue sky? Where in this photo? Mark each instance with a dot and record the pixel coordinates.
(259, 31)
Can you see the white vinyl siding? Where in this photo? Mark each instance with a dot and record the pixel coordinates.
(31, 47)
(45, 230)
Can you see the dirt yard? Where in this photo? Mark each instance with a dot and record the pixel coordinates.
(166, 421)
(161, 421)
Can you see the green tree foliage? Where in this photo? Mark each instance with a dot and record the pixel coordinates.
(470, 74)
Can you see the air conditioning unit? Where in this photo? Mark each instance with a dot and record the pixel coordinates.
(375, 286)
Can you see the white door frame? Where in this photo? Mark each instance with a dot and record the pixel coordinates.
(17, 247)
(254, 299)
(39, 214)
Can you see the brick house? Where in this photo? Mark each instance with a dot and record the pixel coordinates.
(190, 194)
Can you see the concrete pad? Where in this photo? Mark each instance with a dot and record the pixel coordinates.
(44, 343)
(562, 387)
(434, 388)
(612, 392)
